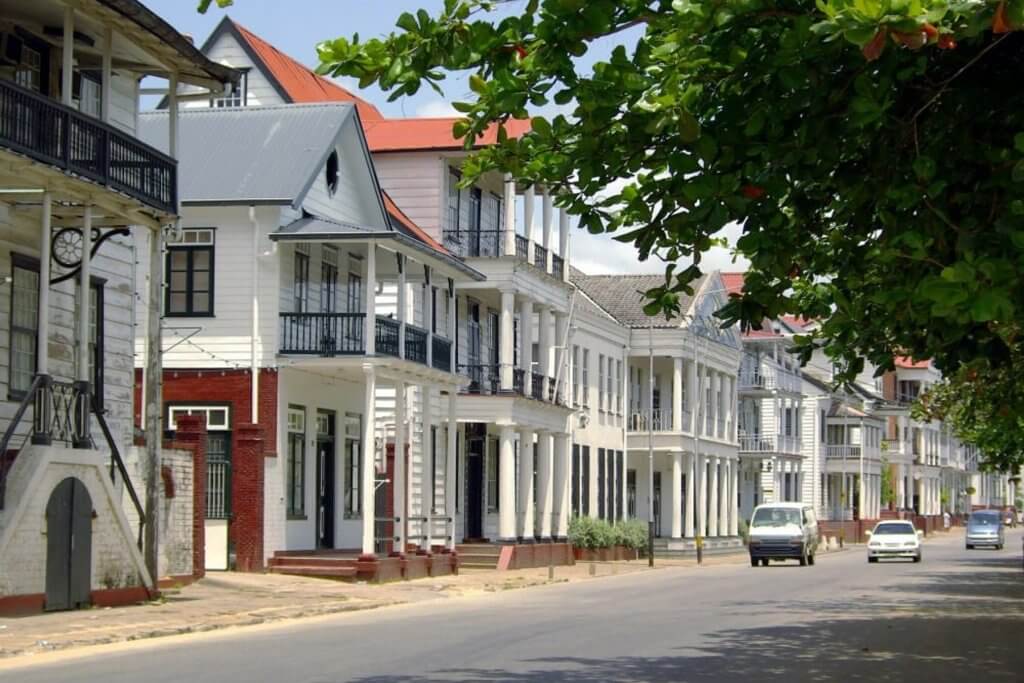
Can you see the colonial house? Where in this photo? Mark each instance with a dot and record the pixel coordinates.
(295, 294)
(79, 191)
(672, 385)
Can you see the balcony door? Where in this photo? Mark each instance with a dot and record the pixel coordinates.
(325, 478)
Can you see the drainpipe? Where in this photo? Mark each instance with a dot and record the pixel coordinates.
(254, 383)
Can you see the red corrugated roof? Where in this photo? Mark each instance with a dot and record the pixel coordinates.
(299, 81)
(401, 135)
(733, 282)
(908, 363)
(416, 230)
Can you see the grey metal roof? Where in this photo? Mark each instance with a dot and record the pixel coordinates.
(622, 296)
(249, 154)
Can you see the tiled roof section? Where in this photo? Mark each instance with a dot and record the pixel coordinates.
(300, 82)
(403, 135)
(403, 223)
(622, 296)
(908, 363)
(733, 282)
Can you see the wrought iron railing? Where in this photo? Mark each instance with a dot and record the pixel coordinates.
(475, 243)
(6, 453)
(117, 465)
(769, 443)
(387, 337)
(519, 381)
(557, 266)
(322, 334)
(484, 380)
(61, 413)
(442, 350)
(522, 248)
(540, 257)
(555, 392)
(50, 132)
(415, 344)
(537, 386)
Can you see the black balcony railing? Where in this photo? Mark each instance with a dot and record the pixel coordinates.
(479, 243)
(557, 266)
(53, 133)
(322, 334)
(442, 350)
(484, 380)
(387, 337)
(537, 387)
(415, 344)
(540, 257)
(518, 380)
(522, 248)
(554, 392)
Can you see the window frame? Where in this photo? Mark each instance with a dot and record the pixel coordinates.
(191, 249)
(300, 279)
(492, 476)
(328, 279)
(242, 99)
(296, 509)
(352, 498)
(29, 264)
(454, 192)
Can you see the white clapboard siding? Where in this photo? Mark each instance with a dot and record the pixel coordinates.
(259, 91)
(415, 181)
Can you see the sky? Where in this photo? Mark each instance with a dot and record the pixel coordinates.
(296, 26)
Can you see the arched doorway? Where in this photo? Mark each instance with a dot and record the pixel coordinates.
(68, 546)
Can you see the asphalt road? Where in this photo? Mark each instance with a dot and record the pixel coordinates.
(957, 616)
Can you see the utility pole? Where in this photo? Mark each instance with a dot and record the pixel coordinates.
(650, 447)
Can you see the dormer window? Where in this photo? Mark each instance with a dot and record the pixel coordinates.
(331, 173)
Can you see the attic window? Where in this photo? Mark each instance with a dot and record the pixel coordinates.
(332, 173)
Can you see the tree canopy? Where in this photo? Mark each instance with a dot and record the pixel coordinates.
(872, 151)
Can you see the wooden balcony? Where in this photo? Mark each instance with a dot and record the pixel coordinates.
(54, 134)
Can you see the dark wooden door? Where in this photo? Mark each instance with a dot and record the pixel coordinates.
(68, 546)
(657, 504)
(475, 489)
(325, 477)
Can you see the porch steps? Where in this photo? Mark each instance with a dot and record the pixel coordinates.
(313, 565)
(478, 555)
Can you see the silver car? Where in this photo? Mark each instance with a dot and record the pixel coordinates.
(985, 527)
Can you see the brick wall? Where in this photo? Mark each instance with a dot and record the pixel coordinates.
(191, 435)
(246, 528)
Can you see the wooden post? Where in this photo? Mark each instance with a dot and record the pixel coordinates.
(152, 399)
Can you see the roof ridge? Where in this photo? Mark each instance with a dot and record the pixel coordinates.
(257, 107)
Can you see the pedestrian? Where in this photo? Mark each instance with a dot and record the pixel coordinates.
(945, 520)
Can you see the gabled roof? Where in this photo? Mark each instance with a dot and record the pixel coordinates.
(622, 296)
(293, 81)
(404, 224)
(267, 155)
(403, 135)
(908, 363)
(733, 282)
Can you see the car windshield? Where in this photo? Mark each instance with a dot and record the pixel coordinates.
(887, 529)
(776, 517)
(984, 519)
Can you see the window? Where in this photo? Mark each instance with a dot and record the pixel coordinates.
(575, 480)
(576, 374)
(301, 288)
(493, 476)
(89, 94)
(218, 454)
(620, 462)
(586, 378)
(475, 202)
(631, 493)
(454, 198)
(498, 213)
(329, 279)
(239, 95)
(611, 384)
(353, 466)
(585, 484)
(296, 485)
(433, 468)
(30, 71)
(821, 431)
(96, 315)
(601, 484)
(355, 293)
(24, 324)
(601, 404)
(332, 173)
(618, 387)
(190, 275)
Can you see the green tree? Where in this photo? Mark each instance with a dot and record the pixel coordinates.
(888, 484)
(872, 151)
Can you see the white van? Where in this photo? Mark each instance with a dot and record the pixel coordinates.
(783, 531)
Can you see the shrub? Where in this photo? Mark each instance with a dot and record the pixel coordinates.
(593, 534)
(744, 530)
(632, 534)
(585, 532)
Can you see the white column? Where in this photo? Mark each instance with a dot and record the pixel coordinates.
(428, 314)
(451, 476)
(172, 113)
(691, 474)
(452, 307)
(369, 473)
(713, 504)
(734, 479)
(370, 323)
(402, 305)
(506, 492)
(43, 322)
(546, 235)
(399, 488)
(526, 484)
(545, 492)
(702, 499)
(723, 497)
(67, 54)
(428, 488)
(561, 503)
(677, 394)
(510, 216)
(563, 234)
(677, 492)
(506, 353)
(544, 345)
(528, 202)
(561, 370)
(526, 343)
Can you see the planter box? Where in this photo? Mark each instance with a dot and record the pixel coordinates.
(616, 553)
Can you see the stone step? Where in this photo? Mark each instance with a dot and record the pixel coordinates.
(478, 549)
(309, 561)
(474, 559)
(315, 570)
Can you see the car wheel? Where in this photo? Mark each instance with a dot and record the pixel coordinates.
(753, 562)
(803, 559)
(917, 558)
(764, 562)
(810, 559)
(999, 547)
(872, 560)
(970, 547)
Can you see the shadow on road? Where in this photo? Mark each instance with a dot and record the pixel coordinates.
(944, 626)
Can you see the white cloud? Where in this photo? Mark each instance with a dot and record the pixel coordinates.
(435, 109)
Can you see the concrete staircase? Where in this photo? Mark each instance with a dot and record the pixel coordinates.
(317, 565)
(478, 555)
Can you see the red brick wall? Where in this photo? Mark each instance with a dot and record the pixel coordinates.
(233, 387)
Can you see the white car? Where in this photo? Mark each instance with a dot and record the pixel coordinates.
(894, 538)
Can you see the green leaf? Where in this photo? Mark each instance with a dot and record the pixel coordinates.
(924, 167)
(1018, 172)
(407, 22)
(477, 83)
(689, 128)
(1018, 142)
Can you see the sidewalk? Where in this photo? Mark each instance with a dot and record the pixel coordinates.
(225, 600)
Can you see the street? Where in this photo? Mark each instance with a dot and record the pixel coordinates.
(954, 617)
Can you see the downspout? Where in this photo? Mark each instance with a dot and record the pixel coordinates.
(254, 370)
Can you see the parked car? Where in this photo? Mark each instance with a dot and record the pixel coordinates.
(895, 538)
(783, 531)
(985, 527)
